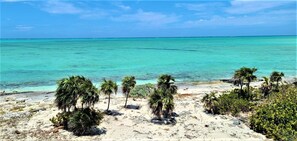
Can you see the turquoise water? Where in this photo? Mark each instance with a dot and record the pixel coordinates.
(35, 63)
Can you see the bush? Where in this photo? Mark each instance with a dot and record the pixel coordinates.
(60, 119)
(211, 103)
(82, 120)
(228, 103)
(277, 116)
(142, 90)
(231, 103)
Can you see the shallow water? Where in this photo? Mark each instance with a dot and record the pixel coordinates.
(31, 63)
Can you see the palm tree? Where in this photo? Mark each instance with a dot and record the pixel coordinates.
(245, 74)
(276, 77)
(238, 75)
(67, 93)
(70, 90)
(161, 100)
(156, 103)
(250, 77)
(108, 87)
(168, 103)
(90, 97)
(266, 86)
(166, 81)
(82, 120)
(128, 83)
(210, 103)
(166, 84)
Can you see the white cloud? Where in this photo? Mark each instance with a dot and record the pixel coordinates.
(95, 14)
(246, 7)
(59, 7)
(121, 6)
(23, 28)
(147, 18)
(12, 0)
(263, 19)
(201, 7)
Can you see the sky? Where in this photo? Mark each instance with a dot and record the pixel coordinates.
(96, 19)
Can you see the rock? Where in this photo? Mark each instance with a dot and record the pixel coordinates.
(206, 125)
(55, 130)
(21, 100)
(38, 109)
(236, 122)
(60, 127)
(3, 130)
(17, 132)
(9, 99)
(223, 117)
(232, 134)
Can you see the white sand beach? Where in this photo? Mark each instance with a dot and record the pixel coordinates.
(26, 117)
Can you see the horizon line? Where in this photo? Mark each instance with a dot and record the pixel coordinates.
(148, 37)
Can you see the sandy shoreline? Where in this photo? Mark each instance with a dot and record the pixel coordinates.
(25, 116)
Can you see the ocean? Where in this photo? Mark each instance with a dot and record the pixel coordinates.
(36, 64)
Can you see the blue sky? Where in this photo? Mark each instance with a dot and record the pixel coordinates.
(91, 19)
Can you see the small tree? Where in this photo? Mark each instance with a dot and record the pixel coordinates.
(266, 86)
(276, 77)
(67, 94)
(108, 87)
(128, 83)
(211, 103)
(82, 120)
(156, 103)
(162, 100)
(246, 75)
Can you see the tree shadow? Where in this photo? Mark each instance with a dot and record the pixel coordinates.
(134, 107)
(94, 131)
(166, 121)
(112, 113)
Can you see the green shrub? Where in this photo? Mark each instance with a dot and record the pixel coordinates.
(228, 103)
(60, 118)
(142, 90)
(211, 103)
(277, 116)
(81, 121)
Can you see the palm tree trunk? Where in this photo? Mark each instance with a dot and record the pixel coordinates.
(65, 122)
(108, 102)
(276, 85)
(167, 113)
(127, 94)
(248, 89)
(159, 111)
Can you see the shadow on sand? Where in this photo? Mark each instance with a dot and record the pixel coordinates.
(133, 107)
(113, 113)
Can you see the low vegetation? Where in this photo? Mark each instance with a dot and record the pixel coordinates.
(142, 91)
(227, 103)
(277, 115)
(273, 106)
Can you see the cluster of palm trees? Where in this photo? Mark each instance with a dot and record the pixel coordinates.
(108, 87)
(161, 101)
(244, 76)
(75, 89)
(272, 83)
(69, 92)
